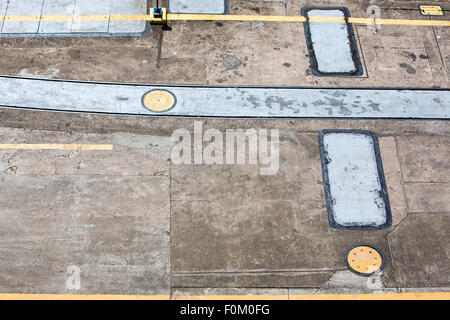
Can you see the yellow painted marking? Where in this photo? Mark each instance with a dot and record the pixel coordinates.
(130, 17)
(364, 259)
(101, 147)
(159, 100)
(431, 10)
(374, 296)
(233, 297)
(212, 17)
(215, 17)
(22, 18)
(18, 296)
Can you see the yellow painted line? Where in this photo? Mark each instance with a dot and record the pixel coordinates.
(17, 296)
(130, 17)
(374, 296)
(101, 147)
(212, 17)
(402, 22)
(233, 297)
(215, 17)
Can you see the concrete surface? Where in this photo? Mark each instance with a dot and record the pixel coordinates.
(135, 223)
(75, 26)
(198, 6)
(268, 54)
(227, 102)
(222, 228)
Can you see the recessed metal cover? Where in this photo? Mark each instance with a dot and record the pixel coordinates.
(331, 45)
(198, 6)
(365, 259)
(353, 176)
(159, 100)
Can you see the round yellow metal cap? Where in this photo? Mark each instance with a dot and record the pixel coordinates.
(159, 100)
(364, 260)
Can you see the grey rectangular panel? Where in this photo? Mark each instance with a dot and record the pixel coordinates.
(355, 187)
(57, 7)
(125, 7)
(198, 6)
(331, 45)
(23, 8)
(3, 6)
(89, 7)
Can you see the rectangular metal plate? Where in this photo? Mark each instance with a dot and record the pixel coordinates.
(198, 6)
(354, 182)
(331, 45)
(431, 10)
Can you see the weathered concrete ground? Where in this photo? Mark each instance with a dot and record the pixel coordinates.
(242, 53)
(135, 223)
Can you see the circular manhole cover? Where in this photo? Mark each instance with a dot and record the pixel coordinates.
(365, 259)
(159, 100)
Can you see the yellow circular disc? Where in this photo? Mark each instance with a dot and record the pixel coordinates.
(364, 259)
(159, 100)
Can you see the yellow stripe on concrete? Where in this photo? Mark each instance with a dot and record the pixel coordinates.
(100, 147)
(130, 17)
(375, 296)
(213, 17)
(14, 296)
(233, 297)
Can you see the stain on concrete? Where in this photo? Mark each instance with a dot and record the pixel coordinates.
(409, 69)
(231, 62)
(277, 100)
(410, 55)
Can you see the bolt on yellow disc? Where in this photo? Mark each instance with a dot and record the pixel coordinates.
(365, 260)
(159, 100)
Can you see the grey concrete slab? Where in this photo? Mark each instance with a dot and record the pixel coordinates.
(115, 229)
(198, 6)
(393, 174)
(3, 7)
(59, 7)
(98, 7)
(132, 155)
(19, 7)
(235, 232)
(355, 188)
(428, 197)
(74, 27)
(227, 102)
(346, 282)
(424, 158)
(331, 47)
(137, 7)
(420, 251)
